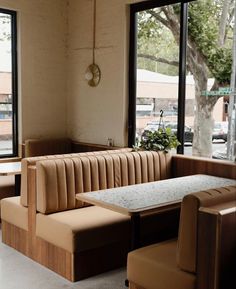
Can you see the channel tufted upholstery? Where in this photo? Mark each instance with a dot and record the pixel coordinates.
(61, 179)
(7, 189)
(31, 161)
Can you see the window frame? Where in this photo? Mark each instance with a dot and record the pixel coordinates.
(138, 7)
(14, 79)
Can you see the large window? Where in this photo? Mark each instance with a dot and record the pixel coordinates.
(182, 62)
(8, 84)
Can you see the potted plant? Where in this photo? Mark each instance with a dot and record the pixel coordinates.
(163, 139)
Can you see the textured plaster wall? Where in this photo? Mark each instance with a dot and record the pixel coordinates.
(42, 28)
(95, 114)
(55, 48)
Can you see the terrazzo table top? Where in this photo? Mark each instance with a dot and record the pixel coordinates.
(147, 196)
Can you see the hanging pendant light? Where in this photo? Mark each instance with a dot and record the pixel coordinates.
(93, 72)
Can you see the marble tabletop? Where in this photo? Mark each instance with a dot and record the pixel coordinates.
(141, 197)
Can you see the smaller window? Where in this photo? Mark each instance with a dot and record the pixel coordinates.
(8, 84)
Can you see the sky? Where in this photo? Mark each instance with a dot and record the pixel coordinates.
(5, 56)
(5, 44)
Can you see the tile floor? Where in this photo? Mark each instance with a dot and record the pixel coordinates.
(19, 272)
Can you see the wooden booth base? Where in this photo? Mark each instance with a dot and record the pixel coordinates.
(15, 237)
(72, 266)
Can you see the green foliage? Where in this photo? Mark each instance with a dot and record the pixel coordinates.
(203, 24)
(159, 140)
(154, 38)
(157, 40)
(220, 64)
(203, 29)
(148, 27)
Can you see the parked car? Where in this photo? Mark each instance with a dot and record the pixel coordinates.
(220, 130)
(220, 153)
(152, 126)
(188, 133)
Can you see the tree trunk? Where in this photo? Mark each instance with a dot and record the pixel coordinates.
(203, 122)
(204, 105)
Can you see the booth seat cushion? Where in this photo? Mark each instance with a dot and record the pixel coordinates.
(154, 267)
(14, 213)
(82, 229)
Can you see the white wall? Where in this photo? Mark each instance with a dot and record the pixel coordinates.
(55, 48)
(94, 114)
(42, 66)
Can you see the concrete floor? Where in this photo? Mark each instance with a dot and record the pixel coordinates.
(19, 272)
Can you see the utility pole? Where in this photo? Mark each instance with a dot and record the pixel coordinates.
(231, 144)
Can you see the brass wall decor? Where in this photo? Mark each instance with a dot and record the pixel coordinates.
(93, 72)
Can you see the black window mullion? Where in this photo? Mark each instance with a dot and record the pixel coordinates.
(132, 79)
(14, 84)
(182, 75)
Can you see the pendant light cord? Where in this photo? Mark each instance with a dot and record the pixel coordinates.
(94, 28)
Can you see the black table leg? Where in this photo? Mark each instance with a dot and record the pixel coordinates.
(135, 236)
(17, 184)
(135, 231)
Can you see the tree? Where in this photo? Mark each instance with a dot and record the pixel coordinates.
(209, 54)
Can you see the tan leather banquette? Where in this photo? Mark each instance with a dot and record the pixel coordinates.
(203, 257)
(33, 147)
(31, 161)
(19, 205)
(74, 233)
(77, 241)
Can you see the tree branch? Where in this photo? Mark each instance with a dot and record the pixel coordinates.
(172, 19)
(159, 18)
(158, 59)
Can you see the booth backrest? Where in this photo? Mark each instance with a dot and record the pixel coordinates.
(41, 147)
(31, 161)
(58, 181)
(187, 239)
